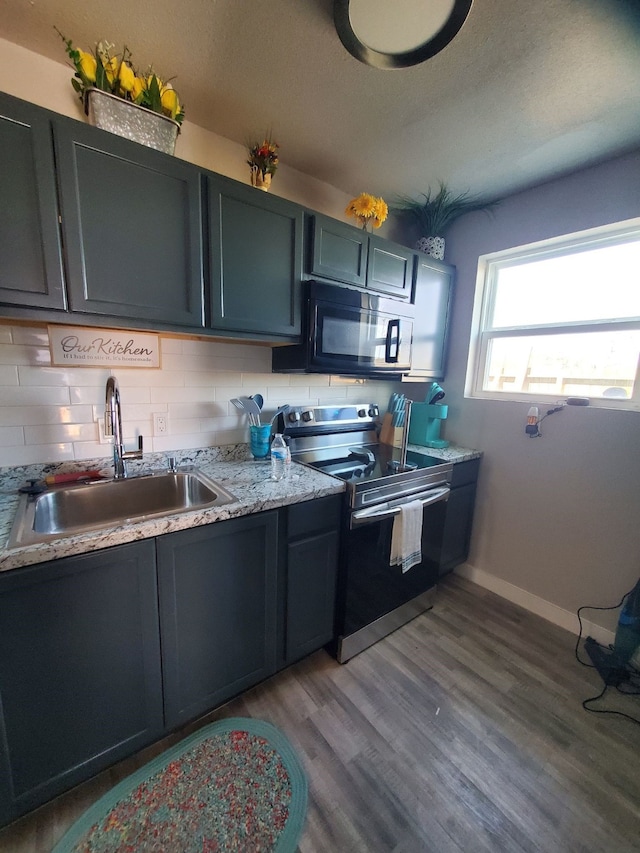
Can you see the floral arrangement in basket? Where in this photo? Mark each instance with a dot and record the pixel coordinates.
(263, 156)
(367, 208)
(114, 73)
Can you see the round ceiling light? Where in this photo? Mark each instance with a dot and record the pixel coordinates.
(398, 34)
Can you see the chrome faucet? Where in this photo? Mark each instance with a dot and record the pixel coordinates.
(113, 427)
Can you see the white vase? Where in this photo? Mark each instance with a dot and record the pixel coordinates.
(432, 246)
(123, 118)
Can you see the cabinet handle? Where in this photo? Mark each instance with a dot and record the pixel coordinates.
(391, 325)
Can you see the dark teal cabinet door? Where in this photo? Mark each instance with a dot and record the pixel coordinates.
(312, 567)
(459, 516)
(311, 575)
(217, 612)
(255, 249)
(338, 251)
(131, 220)
(30, 259)
(80, 679)
(390, 268)
(432, 301)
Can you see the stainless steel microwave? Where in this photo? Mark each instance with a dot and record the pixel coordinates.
(349, 332)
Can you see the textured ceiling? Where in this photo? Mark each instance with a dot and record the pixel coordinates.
(527, 90)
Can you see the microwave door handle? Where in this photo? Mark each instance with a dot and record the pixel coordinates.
(366, 515)
(391, 325)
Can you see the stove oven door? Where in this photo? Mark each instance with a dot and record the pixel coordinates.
(375, 598)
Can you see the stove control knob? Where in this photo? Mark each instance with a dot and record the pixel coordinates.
(362, 413)
(307, 416)
(293, 417)
(374, 411)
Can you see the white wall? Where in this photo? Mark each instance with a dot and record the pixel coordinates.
(557, 518)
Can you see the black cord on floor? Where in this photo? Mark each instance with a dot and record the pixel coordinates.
(632, 670)
(586, 607)
(586, 703)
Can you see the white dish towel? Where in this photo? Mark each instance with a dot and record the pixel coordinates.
(406, 536)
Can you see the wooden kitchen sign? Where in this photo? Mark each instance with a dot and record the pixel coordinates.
(74, 346)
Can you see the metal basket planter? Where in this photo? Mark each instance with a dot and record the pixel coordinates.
(123, 118)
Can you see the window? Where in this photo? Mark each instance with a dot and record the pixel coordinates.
(560, 319)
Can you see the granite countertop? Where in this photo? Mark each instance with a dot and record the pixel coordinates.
(247, 480)
(453, 453)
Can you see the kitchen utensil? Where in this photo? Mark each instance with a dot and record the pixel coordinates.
(280, 411)
(259, 400)
(241, 405)
(259, 439)
(252, 409)
(398, 411)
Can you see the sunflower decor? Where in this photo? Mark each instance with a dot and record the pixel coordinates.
(367, 208)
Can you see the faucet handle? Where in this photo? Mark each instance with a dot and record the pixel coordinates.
(134, 454)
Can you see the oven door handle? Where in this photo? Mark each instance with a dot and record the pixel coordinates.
(363, 516)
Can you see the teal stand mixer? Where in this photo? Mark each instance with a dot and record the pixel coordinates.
(426, 419)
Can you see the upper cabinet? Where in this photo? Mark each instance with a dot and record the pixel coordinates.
(131, 221)
(432, 304)
(30, 259)
(98, 229)
(255, 260)
(340, 252)
(390, 267)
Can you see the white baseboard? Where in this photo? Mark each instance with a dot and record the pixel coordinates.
(557, 615)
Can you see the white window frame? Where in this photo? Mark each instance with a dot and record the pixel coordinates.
(488, 266)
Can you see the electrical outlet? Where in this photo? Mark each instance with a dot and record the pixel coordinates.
(160, 423)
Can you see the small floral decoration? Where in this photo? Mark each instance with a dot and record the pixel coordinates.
(114, 73)
(368, 208)
(263, 156)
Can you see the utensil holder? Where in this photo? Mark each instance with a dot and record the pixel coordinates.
(260, 440)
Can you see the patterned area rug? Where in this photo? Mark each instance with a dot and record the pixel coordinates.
(235, 785)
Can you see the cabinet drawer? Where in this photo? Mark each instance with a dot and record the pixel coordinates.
(310, 516)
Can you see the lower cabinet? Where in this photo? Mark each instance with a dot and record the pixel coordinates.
(217, 594)
(459, 516)
(80, 677)
(311, 574)
(104, 653)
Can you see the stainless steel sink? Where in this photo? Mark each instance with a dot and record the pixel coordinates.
(81, 508)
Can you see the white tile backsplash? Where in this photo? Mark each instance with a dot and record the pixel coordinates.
(48, 414)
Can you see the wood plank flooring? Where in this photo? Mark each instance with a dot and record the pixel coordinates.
(462, 731)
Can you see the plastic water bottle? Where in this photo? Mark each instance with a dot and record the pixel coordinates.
(278, 457)
(287, 461)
